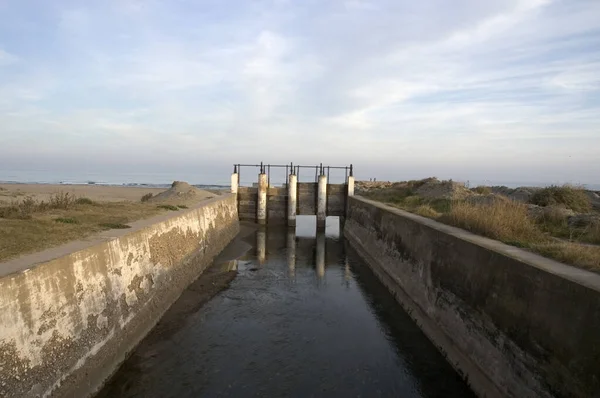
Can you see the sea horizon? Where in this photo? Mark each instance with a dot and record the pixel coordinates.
(164, 180)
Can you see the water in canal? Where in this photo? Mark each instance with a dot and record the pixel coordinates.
(303, 317)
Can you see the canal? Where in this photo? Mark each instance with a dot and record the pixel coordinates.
(294, 315)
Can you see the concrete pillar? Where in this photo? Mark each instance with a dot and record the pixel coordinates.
(261, 204)
(235, 182)
(261, 245)
(292, 200)
(322, 202)
(350, 193)
(351, 186)
(291, 251)
(320, 255)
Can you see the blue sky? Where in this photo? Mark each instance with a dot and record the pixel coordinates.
(468, 89)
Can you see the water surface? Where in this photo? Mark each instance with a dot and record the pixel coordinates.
(304, 317)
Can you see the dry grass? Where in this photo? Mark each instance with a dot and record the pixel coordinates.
(33, 226)
(571, 197)
(583, 256)
(554, 222)
(427, 211)
(509, 221)
(482, 190)
(505, 221)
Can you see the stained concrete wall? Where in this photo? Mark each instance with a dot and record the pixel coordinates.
(67, 323)
(513, 323)
(277, 199)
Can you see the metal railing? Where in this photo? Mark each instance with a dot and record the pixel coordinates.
(294, 169)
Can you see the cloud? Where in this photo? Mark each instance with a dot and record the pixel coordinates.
(7, 58)
(383, 84)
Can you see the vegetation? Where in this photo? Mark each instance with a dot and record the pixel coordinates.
(482, 190)
(66, 220)
(30, 225)
(505, 221)
(147, 197)
(84, 201)
(168, 207)
(182, 206)
(571, 197)
(114, 225)
(551, 233)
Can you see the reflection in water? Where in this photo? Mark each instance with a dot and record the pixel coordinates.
(320, 255)
(278, 331)
(261, 244)
(291, 251)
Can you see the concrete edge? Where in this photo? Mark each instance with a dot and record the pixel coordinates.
(29, 261)
(475, 377)
(580, 276)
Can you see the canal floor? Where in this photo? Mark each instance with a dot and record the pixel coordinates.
(302, 317)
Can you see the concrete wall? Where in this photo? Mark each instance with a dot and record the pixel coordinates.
(513, 323)
(277, 201)
(67, 323)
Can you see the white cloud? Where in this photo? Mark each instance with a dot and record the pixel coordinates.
(451, 84)
(7, 58)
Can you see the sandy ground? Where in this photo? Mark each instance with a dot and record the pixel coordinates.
(98, 193)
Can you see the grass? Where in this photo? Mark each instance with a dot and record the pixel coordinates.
(182, 206)
(587, 257)
(509, 221)
(31, 225)
(504, 221)
(427, 211)
(66, 220)
(114, 225)
(482, 190)
(84, 201)
(147, 197)
(573, 198)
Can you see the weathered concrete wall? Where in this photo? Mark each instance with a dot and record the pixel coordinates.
(277, 202)
(513, 323)
(67, 323)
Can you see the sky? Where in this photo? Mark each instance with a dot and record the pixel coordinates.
(463, 89)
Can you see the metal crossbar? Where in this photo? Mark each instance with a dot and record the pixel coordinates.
(291, 169)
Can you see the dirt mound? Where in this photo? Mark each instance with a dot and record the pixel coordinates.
(368, 186)
(435, 189)
(181, 192)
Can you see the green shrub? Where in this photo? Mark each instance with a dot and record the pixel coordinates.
(571, 197)
(182, 206)
(84, 201)
(482, 190)
(66, 220)
(60, 200)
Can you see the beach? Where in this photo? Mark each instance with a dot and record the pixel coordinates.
(101, 193)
